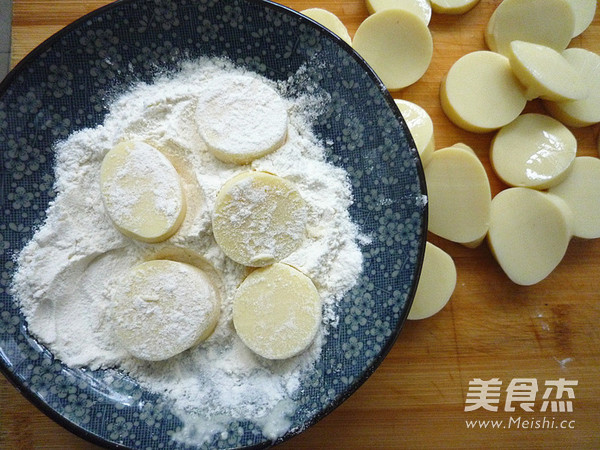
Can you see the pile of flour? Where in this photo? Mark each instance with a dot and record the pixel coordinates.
(68, 272)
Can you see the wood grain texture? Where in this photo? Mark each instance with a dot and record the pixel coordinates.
(490, 329)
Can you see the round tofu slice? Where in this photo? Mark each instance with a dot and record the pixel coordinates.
(529, 233)
(436, 284)
(329, 21)
(459, 196)
(584, 11)
(421, 8)
(397, 45)
(259, 218)
(585, 111)
(581, 192)
(546, 22)
(277, 311)
(533, 151)
(545, 72)
(480, 93)
(453, 6)
(241, 118)
(162, 308)
(420, 126)
(142, 192)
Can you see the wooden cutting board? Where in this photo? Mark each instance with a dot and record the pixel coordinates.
(490, 329)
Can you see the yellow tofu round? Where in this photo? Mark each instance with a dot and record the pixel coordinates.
(585, 111)
(480, 92)
(421, 8)
(453, 6)
(162, 308)
(459, 196)
(436, 283)
(241, 118)
(420, 126)
(397, 45)
(533, 151)
(584, 11)
(546, 22)
(581, 192)
(259, 218)
(545, 72)
(277, 311)
(330, 21)
(529, 233)
(142, 192)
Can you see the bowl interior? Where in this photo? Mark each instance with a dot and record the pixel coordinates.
(63, 86)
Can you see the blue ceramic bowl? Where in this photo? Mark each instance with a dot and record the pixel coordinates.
(60, 88)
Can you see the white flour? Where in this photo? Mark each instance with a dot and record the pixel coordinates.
(66, 274)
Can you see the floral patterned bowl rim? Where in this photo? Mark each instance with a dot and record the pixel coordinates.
(61, 86)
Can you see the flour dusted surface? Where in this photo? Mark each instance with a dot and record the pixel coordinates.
(141, 191)
(67, 274)
(164, 307)
(241, 118)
